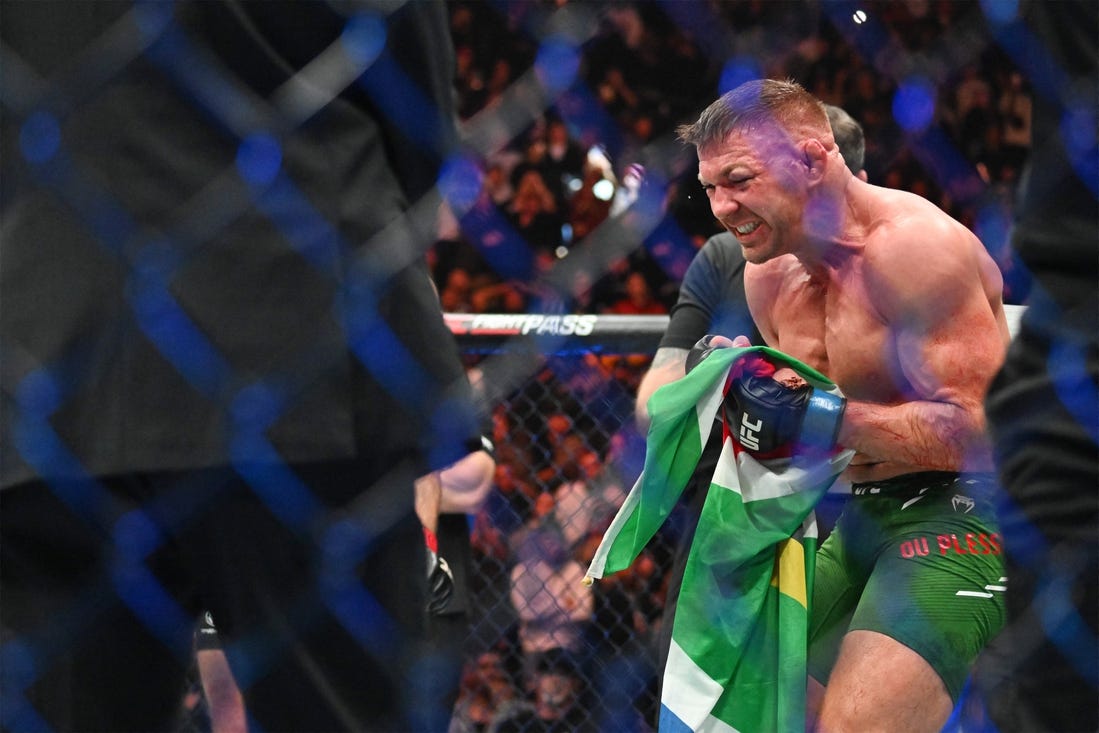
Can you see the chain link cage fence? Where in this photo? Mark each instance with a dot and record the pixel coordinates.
(940, 87)
(567, 453)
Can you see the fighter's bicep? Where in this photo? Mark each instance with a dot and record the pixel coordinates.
(949, 357)
(945, 331)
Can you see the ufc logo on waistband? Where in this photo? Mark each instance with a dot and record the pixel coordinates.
(749, 432)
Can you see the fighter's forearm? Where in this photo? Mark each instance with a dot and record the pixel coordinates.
(933, 435)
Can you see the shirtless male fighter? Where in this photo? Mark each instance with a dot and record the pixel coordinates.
(900, 305)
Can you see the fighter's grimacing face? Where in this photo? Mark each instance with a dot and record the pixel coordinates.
(752, 182)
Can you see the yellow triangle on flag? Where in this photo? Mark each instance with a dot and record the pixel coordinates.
(789, 573)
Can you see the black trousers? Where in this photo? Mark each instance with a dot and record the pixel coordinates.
(1041, 673)
(314, 574)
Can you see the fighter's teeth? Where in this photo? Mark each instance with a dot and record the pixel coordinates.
(747, 228)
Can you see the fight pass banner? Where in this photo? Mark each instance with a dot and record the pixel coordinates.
(557, 333)
(563, 333)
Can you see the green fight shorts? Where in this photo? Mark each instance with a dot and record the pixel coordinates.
(918, 558)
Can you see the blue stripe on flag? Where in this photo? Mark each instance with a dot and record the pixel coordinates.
(671, 724)
(689, 695)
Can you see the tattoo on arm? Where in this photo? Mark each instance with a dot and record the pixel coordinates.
(668, 355)
(668, 365)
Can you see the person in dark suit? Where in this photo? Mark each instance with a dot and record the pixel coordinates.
(1040, 673)
(223, 363)
(443, 499)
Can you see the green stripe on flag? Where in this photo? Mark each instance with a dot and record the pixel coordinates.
(677, 433)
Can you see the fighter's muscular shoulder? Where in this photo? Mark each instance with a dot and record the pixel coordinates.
(920, 264)
(928, 278)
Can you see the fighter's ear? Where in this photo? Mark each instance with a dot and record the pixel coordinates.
(815, 157)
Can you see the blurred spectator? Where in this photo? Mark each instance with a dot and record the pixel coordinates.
(564, 463)
(496, 296)
(541, 518)
(576, 506)
(581, 294)
(488, 695)
(513, 501)
(548, 454)
(610, 285)
(469, 81)
(499, 80)
(861, 92)
(627, 605)
(518, 483)
(490, 584)
(556, 705)
(549, 596)
(497, 183)
(533, 213)
(452, 251)
(639, 299)
(616, 95)
(487, 540)
(563, 161)
(586, 208)
(456, 293)
(627, 369)
(1015, 108)
(973, 113)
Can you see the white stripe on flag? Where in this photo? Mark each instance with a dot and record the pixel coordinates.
(809, 526)
(725, 474)
(762, 482)
(690, 694)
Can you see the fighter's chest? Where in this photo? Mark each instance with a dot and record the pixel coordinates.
(837, 331)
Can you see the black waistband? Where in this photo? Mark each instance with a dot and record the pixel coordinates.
(921, 480)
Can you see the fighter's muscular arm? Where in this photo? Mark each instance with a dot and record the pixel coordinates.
(935, 299)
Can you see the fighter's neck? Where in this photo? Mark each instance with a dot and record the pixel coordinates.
(835, 230)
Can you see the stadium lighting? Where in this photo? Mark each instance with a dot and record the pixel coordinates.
(603, 190)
